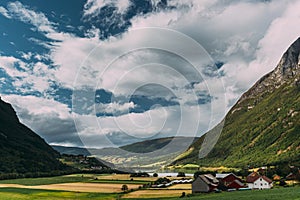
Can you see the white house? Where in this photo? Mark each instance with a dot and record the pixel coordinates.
(256, 181)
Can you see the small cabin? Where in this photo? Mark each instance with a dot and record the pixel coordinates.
(204, 183)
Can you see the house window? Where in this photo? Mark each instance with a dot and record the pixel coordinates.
(254, 183)
(265, 184)
(261, 184)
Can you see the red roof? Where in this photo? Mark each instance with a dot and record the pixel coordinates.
(236, 184)
(253, 177)
(266, 179)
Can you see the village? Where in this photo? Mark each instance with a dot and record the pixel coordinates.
(256, 180)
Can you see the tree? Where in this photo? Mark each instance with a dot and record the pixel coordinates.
(155, 175)
(182, 195)
(282, 183)
(124, 188)
(181, 174)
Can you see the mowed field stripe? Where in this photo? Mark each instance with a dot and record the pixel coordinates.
(156, 193)
(78, 187)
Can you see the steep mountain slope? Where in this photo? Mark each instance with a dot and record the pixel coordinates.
(23, 151)
(264, 125)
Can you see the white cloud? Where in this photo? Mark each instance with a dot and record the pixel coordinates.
(269, 50)
(28, 77)
(92, 7)
(8, 63)
(4, 12)
(26, 56)
(38, 106)
(122, 5)
(114, 108)
(248, 36)
(39, 20)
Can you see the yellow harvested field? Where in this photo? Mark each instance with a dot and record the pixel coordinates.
(156, 193)
(181, 186)
(11, 185)
(78, 187)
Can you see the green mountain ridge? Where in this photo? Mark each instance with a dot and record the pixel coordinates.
(147, 154)
(263, 127)
(137, 147)
(23, 151)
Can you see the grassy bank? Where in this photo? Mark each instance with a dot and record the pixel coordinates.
(36, 194)
(49, 180)
(291, 193)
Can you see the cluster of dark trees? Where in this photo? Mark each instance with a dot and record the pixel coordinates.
(140, 174)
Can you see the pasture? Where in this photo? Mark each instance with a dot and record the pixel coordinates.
(37, 194)
(106, 187)
(77, 187)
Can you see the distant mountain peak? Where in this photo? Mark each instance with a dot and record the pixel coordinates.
(286, 72)
(289, 65)
(263, 127)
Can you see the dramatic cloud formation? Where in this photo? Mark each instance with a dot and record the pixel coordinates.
(174, 67)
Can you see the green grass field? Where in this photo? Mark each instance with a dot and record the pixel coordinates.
(49, 180)
(35, 194)
(69, 179)
(291, 193)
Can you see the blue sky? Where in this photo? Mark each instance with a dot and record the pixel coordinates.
(107, 73)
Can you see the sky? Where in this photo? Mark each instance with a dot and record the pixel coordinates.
(100, 73)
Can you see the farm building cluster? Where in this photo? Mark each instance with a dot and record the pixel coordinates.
(230, 182)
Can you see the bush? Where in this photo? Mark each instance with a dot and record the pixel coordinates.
(181, 174)
(162, 181)
(140, 174)
(282, 183)
(124, 188)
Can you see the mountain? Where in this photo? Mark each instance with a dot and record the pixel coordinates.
(72, 150)
(148, 154)
(263, 127)
(23, 151)
(155, 144)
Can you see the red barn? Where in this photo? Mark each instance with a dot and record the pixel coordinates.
(230, 181)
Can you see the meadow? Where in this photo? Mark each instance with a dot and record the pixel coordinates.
(106, 187)
(35, 194)
(290, 193)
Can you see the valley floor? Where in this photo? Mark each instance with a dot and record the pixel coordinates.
(106, 187)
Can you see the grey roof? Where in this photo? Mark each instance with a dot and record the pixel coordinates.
(209, 179)
(220, 176)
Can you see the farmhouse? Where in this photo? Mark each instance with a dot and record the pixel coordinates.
(204, 183)
(229, 181)
(256, 181)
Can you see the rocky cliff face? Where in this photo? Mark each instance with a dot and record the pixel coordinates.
(286, 72)
(264, 125)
